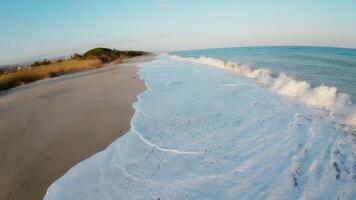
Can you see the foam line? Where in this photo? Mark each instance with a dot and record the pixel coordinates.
(117, 165)
(161, 148)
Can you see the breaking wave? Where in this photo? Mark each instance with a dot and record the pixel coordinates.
(322, 97)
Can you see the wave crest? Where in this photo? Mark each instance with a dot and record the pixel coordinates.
(322, 97)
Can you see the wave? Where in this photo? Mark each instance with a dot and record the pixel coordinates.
(322, 97)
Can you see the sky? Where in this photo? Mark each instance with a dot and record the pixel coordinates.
(34, 29)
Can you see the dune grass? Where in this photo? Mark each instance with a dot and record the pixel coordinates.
(30, 74)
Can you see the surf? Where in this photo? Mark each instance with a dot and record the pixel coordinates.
(322, 97)
(200, 132)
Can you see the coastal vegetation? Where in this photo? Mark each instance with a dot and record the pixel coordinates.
(37, 72)
(92, 59)
(108, 55)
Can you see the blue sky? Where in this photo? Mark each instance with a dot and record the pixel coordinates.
(33, 29)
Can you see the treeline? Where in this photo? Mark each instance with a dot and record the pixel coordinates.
(103, 54)
(108, 55)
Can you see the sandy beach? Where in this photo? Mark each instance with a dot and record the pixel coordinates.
(48, 126)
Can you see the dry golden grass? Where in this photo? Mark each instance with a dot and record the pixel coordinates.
(31, 74)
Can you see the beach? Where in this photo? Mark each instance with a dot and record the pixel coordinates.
(177, 100)
(50, 125)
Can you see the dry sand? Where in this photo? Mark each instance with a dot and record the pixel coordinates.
(48, 126)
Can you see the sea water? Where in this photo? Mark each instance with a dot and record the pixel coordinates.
(316, 65)
(224, 126)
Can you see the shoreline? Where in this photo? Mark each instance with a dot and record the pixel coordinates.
(199, 129)
(50, 125)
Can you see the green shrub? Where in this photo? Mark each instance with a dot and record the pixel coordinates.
(108, 55)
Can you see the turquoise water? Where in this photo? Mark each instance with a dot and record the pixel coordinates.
(317, 65)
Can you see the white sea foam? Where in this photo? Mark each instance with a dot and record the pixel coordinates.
(323, 97)
(210, 135)
(161, 148)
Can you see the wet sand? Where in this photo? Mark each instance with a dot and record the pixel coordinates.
(48, 126)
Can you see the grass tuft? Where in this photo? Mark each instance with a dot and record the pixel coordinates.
(34, 73)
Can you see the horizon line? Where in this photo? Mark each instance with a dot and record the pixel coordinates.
(29, 60)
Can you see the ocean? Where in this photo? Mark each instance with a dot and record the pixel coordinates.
(316, 65)
(236, 123)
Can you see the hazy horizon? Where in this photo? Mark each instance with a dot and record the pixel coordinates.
(39, 29)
